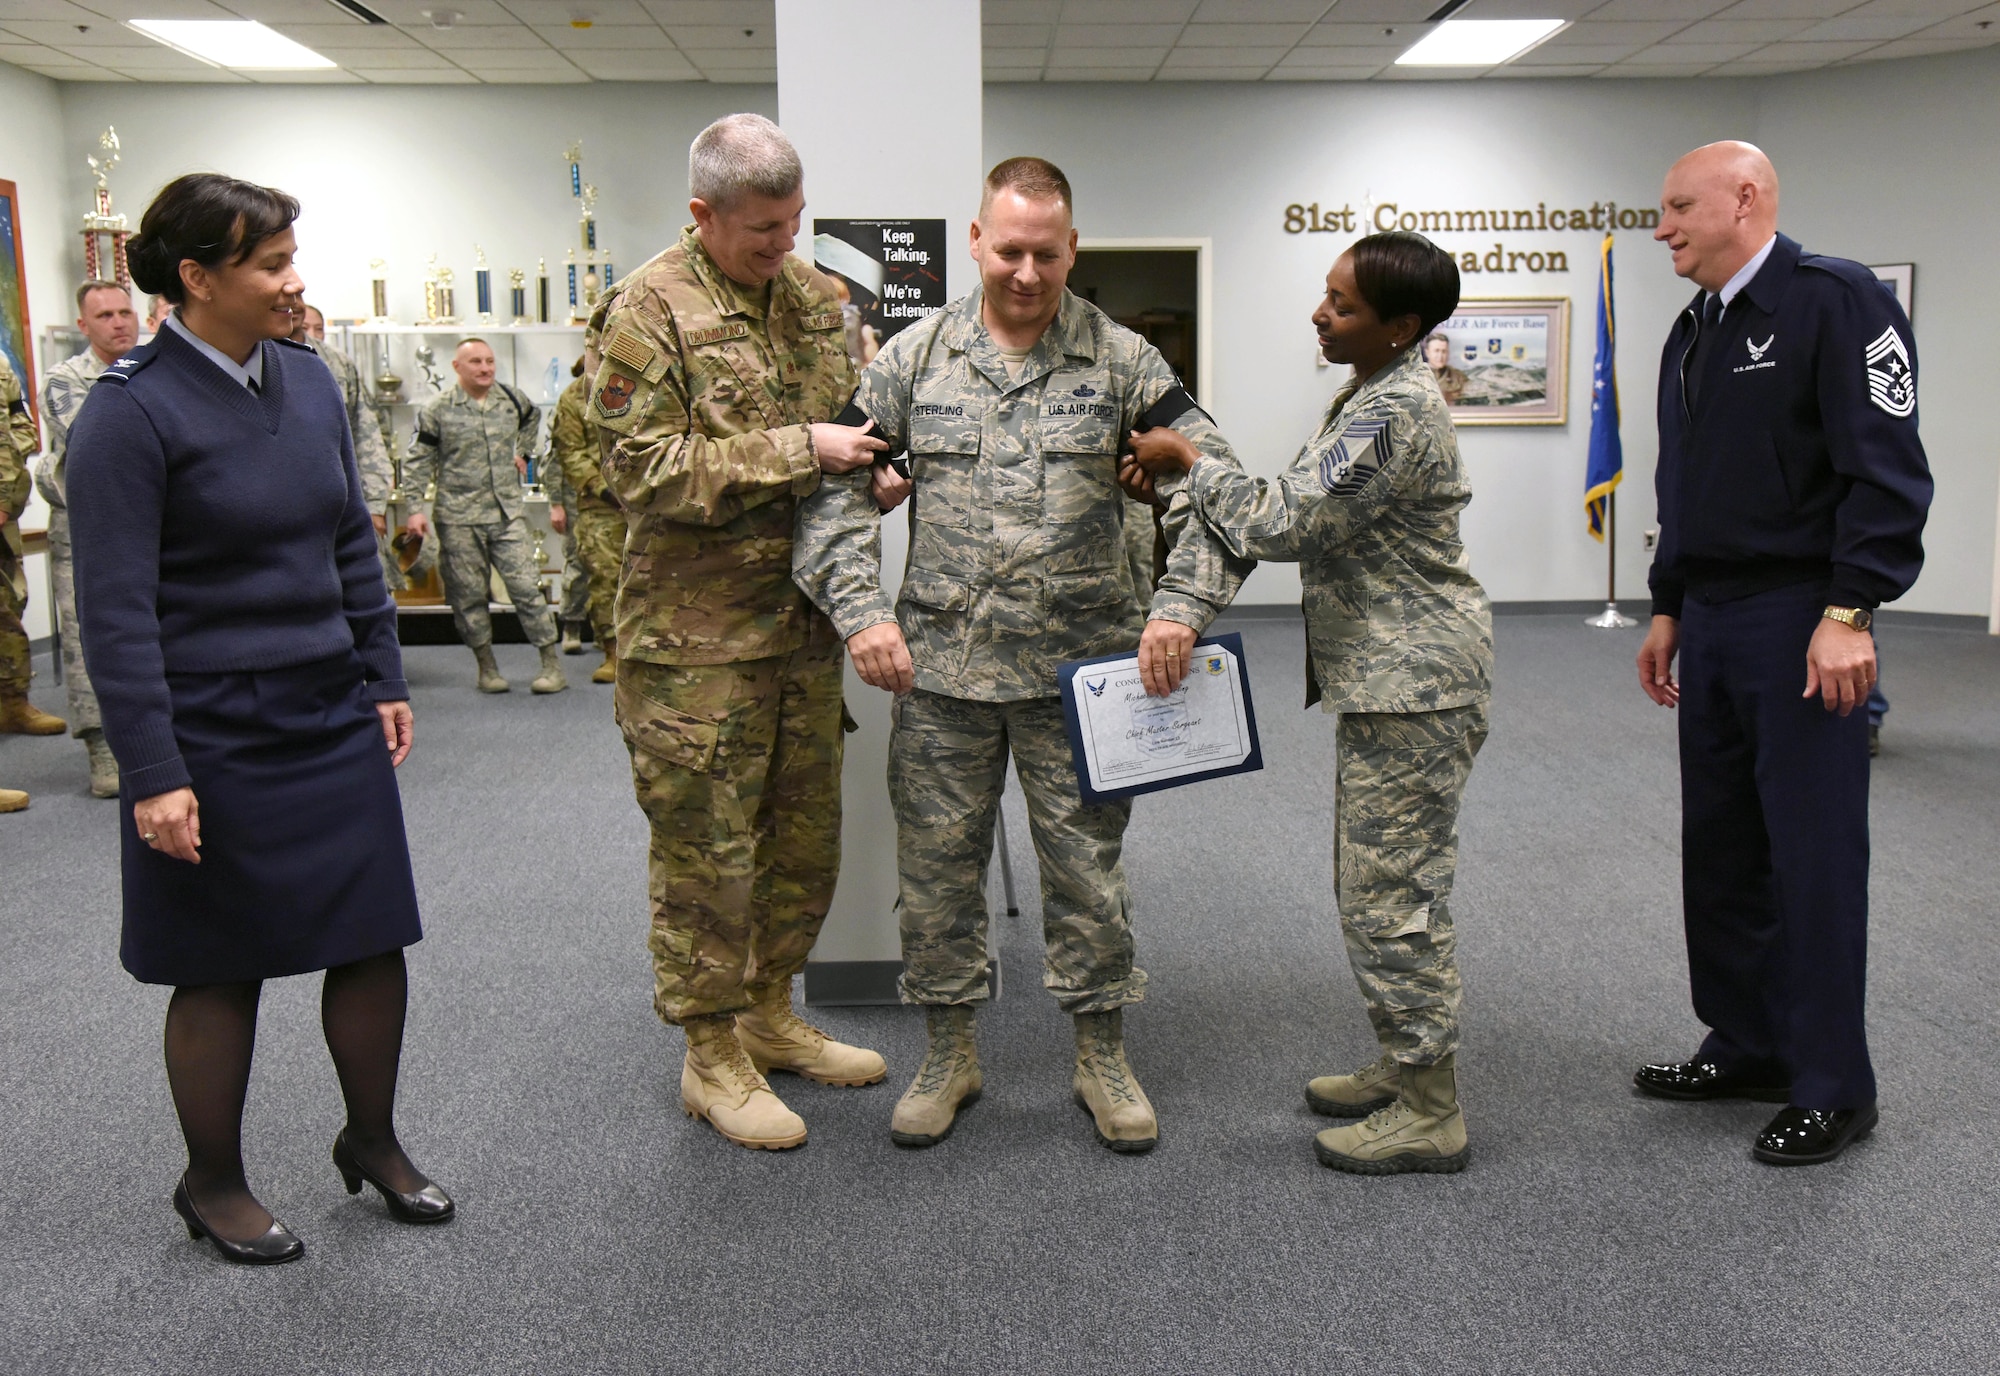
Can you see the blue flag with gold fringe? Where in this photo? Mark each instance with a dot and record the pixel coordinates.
(1607, 455)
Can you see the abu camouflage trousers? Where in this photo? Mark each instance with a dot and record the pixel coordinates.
(599, 528)
(1400, 778)
(83, 713)
(947, 766)
(576, 583)
(737, 768)
(15, 665)
(469, 553)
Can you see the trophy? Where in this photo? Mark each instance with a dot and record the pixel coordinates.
(430, 292)
(482, 286)
(427, 360)
(517, 295)
(388, 387)
(378, 286)
(101, 223)
(542, 290)
(447, 298)
(576, 314)
(593, 281)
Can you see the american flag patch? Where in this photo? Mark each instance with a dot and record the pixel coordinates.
(1356, 457)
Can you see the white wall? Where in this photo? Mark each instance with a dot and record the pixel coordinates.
(1885, 162)
(32, 158)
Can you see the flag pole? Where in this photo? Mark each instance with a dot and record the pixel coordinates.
(1610, 619)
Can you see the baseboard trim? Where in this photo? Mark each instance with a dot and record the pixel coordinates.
(1932, 621)
(853, 983)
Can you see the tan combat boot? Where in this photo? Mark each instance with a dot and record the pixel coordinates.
(550, 679)
(1422, 1131)
(607, 672)
(20, 717)
(13, 800)
(776, 1038)
(1354, 1096)
(489, 672)
(103, 766)
(719, 1083)
(572, 638)
(946, 1082)
(1105, 1085)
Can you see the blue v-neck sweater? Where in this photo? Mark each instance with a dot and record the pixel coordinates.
(216, 531)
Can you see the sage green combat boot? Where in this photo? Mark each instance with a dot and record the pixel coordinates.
(777, 1038)
(551, 679)
(607, 672)
(103, 765)
(572, 637)
(719, 1083)
(946, 1082)
(1357, 1095)
(489, 672)
(1105, 1085)
(1422, 1131)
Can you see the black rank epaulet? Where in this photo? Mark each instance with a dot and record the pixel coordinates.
(126, 366)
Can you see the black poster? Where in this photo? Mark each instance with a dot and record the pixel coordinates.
(890, 271)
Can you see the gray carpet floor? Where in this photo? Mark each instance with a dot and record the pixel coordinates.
(600, 1231)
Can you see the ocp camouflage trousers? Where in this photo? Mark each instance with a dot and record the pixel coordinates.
(1401, 776)
(15, 665)
(467, 550)
(737, 768)
(83, 712)
(600, 548)
(947, 765)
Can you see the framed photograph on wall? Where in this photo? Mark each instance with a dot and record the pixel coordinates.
(1504, 361)
(15, 340)
(1901, 280)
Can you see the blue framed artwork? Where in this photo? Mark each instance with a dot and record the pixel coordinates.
(16, 340)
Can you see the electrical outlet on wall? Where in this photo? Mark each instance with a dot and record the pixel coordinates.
(1650, 540)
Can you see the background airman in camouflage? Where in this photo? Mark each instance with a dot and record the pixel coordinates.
(596, 521)
(473, 442)
(1013, 402)
(371, 450)
(110, 328)
(713, 371)
(1401, 646)
(17, 714)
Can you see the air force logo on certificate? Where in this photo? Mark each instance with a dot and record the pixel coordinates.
(1126, 742)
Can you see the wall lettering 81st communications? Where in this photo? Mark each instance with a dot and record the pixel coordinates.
(1387, 215)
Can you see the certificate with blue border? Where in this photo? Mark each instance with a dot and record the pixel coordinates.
(1125, 742)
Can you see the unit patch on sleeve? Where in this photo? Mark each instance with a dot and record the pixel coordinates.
(614, 394)
(1891, 384)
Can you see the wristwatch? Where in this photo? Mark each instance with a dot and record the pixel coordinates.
(1856, 618)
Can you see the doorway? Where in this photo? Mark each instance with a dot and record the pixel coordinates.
(1158, 288)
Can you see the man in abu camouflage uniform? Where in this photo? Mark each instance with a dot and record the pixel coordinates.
(1012, 402)
(110, 328)
(371, 452)
(1401, 646)
(17, 714)
(472, 444)
(596, 523)
(714, 369)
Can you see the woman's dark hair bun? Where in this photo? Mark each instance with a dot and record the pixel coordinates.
(207, 217)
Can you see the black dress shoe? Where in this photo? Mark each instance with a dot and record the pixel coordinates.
(1699, 1079)
(428, 1205)
(278, 1245)
(1808, 1136)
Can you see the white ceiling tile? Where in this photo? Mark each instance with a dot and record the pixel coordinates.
(1214, 74)
(507, 77)
(80, 73)
(517, 59)
(139, 55)
(1930, 11)
(55, 11)
(1813, 52)
(119, 10)
(385, 76)
(209, 77)
(1926, 47)
(1591, 33)
(320, 37)
(737, 14)
(1751, 67)
(546, 12)
(1016, 35)
(1854, 28)
(1329, 59)
(1241, 35)
(276, 12)
(1654, 70)
(1106, 58)
(1383, 11)
(1515, 69)
(1321, 73)
(1020, 11)
(716, 36)
(411, 59)
(605, 37)
(305, 78)
(1532, 9)
(1785, 9)
(410, 13)
(1261, 11)
(663, 65)
(1100, 74)
(1740, 30)
(55, 33)
(1431, 73)
(1592, 56)
(1260, 58)
(1680, 54)
(1115, 35)
(1686, 10)
(480, 37)
(1127, 11)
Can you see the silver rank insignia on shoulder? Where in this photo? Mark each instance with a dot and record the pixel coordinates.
(1891, 384)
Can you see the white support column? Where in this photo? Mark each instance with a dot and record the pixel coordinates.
(883, 100)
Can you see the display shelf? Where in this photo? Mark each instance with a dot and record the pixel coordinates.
(464, 327)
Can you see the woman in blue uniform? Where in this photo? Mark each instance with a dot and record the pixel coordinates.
(245, 655)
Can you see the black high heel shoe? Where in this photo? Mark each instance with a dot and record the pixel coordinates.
(428, 1205)
(277, 1246)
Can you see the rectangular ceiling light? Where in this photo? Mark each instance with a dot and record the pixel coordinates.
(242, 44)
(1477, 42)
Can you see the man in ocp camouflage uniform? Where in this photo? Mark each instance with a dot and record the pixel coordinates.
(110, 328)
(473, 443)
(371, 452)
(1400, 638)
(17, 714)
(596, 522)
(713, 371)
(1013, 403)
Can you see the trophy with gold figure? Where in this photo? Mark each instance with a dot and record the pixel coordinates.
(100, 224)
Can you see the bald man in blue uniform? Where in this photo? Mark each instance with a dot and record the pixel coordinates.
(1793, 491)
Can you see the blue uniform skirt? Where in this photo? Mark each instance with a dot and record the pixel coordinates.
(304, 863)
